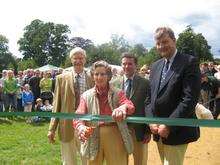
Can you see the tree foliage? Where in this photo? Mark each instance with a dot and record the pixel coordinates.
(194, 44)
(150, 57)
(24, 64)
(45, 43)
(139, 50)
(80, 42)
(6, 58)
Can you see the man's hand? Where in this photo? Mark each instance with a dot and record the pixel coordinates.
(51, 136)
(154, 128)
(119, 113)
(147, 138)
(163, 130)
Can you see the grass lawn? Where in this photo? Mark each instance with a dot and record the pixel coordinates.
(26, 144)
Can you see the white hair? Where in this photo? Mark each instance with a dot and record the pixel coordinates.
(27, 85)
(77, 50)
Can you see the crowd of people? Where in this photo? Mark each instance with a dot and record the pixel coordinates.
(23, 91)
(175, 86)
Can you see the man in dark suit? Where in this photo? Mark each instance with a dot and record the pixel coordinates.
(175, 87)
(137, 90)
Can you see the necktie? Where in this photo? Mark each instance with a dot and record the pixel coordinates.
(128, 89)
(77, 90)
(77, 82)
(164, 72)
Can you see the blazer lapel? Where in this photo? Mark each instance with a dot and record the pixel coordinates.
(170, 73)
(134, 86)
(168, 76)
(157, 77)
(72, 80)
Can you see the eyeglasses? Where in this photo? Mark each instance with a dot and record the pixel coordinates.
(101, 74)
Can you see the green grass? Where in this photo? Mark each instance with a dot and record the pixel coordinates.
(26, 144)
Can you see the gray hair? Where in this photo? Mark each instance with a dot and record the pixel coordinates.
(104, 64)
(77, 50)
(161, 31)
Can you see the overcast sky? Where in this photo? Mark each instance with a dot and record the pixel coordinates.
(98, 19)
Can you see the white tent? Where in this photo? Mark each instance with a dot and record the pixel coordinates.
(48, 68)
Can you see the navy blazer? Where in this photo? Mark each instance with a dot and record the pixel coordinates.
(176, 98)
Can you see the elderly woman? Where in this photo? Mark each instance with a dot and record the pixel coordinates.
(109, 141)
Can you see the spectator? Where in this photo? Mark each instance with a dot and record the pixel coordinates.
(27, 98)
(144, 72)
(202, 112)
(20, 82)
(47, 107)
(38, 105)
(27, 76)
(2, 79)
(217, 96)
(212, 69)
(46, 87)
(10, 90)
(34, 83)
(1, 98)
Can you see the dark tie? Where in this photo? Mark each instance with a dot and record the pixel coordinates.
(77, 90)
(128, 89)
(164, 72)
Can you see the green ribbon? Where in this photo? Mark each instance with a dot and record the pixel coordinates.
(96, 118)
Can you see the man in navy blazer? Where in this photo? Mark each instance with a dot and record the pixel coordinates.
(175, 88)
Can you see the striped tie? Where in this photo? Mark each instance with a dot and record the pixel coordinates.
(164, 72)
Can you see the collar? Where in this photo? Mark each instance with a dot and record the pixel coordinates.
(82, 74)
(126, 78)
(102, 91)
(172, 58)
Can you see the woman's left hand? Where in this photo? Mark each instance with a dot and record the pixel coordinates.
(119, 113)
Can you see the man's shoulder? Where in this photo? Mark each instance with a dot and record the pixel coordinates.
(186, 57)
(64, 75)
(140, 79)
(156, 63)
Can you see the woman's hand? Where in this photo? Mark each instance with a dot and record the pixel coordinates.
(84, 132)
(119, 113)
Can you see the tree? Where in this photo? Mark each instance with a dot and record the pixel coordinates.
(24, 64)
(104, 52)
(6, 57)
(202, 48)
(194, 44)
(45, 42)
(139, 50)
(150, 57)
(80, 42)
(119, 43)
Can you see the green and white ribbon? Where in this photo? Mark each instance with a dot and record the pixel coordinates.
(96, 118)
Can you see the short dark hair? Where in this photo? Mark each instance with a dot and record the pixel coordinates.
(129, 55)
(161, 31)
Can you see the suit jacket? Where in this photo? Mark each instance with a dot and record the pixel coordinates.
(177, 97)
(138, 95)
(64, 101)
